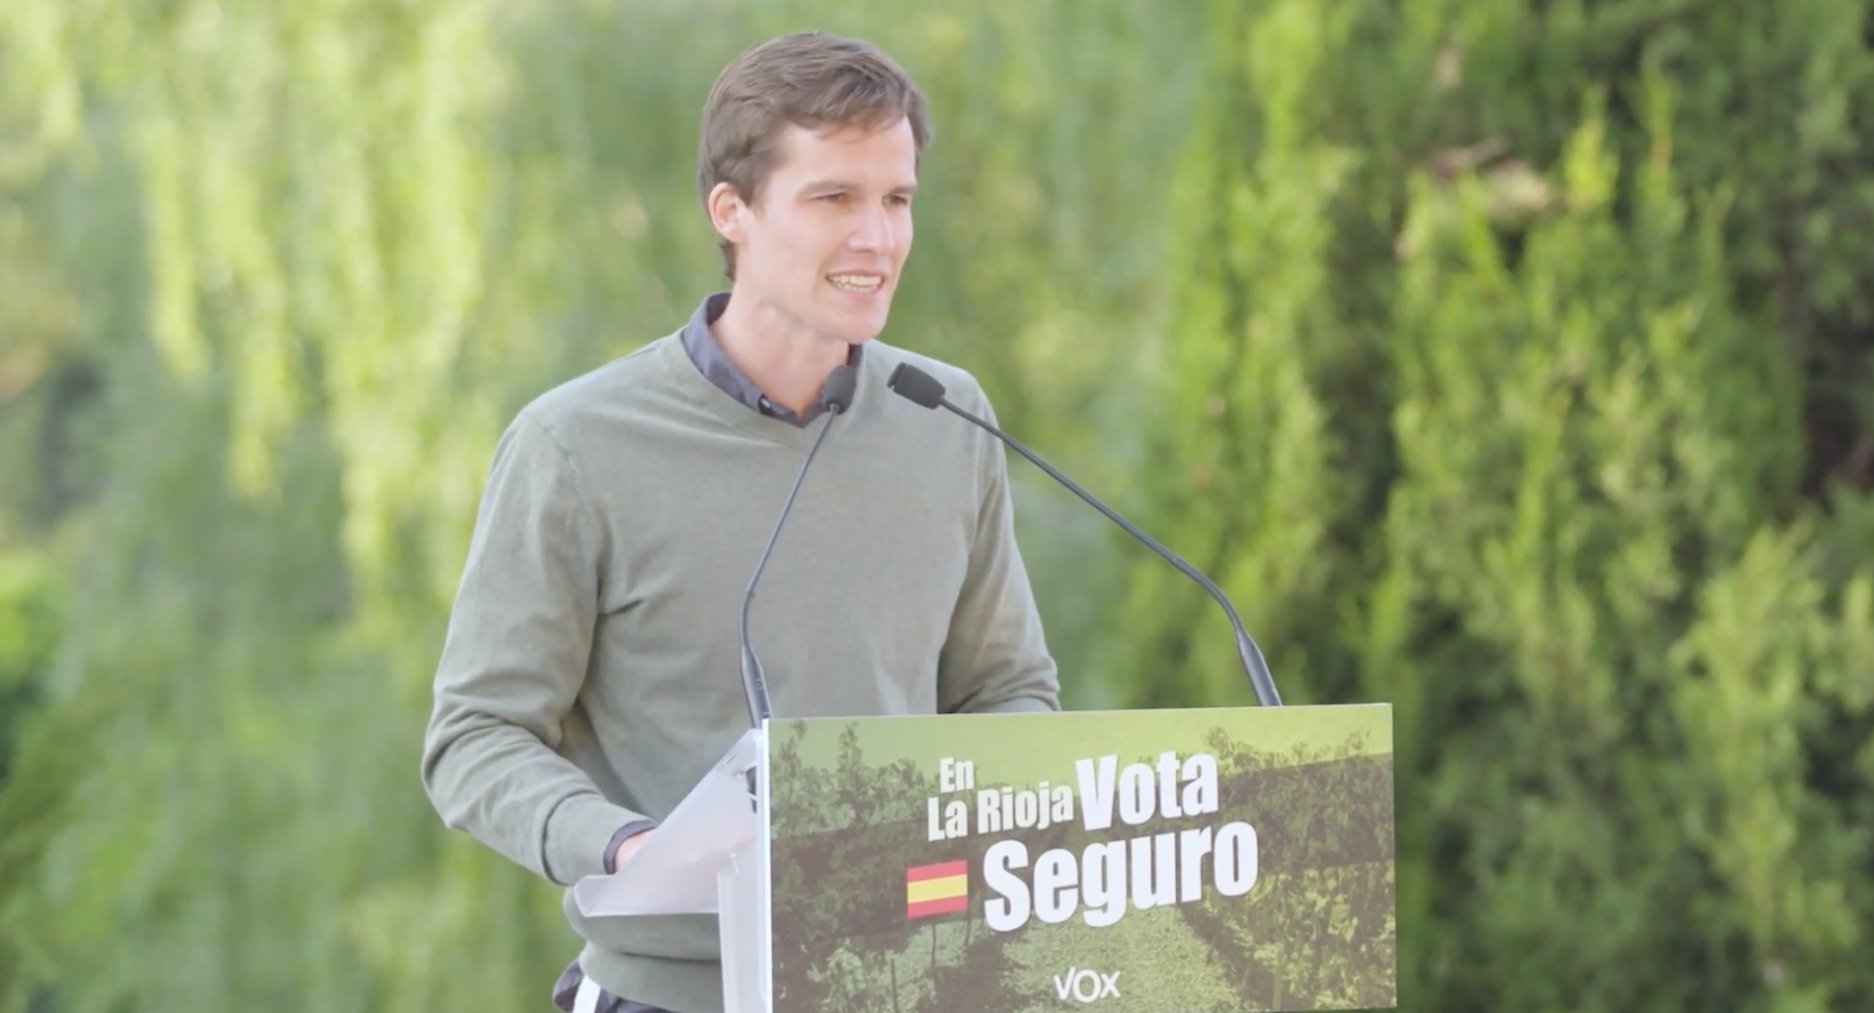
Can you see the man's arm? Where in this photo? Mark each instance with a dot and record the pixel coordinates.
(513, 664)
(995, 658)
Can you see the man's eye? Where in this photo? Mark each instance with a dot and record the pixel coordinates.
(898, 200)
(833, 198)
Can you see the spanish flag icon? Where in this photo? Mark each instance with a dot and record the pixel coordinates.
(936, 889)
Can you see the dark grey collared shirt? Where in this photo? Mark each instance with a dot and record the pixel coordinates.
(706, 352)
(699, 341)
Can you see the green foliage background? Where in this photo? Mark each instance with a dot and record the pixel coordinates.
(1507, 361)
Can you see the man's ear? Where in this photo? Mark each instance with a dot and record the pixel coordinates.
(728, 213)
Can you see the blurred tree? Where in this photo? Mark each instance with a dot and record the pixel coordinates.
(1505, 391)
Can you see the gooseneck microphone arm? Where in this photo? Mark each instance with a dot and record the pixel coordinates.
(836, 396)
(921, 388)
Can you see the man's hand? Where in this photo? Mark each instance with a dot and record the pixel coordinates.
(629, 847)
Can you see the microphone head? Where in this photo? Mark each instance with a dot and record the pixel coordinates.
(836, 393)
(916, 385)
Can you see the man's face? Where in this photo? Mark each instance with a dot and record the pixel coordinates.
(821, 248)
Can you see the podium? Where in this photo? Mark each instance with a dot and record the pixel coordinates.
(1236, 858)
(710, 856)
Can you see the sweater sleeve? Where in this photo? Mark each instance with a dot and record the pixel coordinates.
(995, 658)
(513, 663)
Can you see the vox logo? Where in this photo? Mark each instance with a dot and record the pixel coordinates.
(1086, 985)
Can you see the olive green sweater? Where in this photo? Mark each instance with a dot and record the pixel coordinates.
(591, 670)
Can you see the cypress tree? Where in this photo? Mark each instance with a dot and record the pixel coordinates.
(1495, 394)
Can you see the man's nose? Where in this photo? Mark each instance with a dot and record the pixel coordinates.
(875, 232)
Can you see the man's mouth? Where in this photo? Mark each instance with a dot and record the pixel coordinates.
(856, 282)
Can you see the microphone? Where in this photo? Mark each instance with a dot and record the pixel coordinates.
(921, 388)
(836, 396)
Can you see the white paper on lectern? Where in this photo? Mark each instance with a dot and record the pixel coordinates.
(675, 871)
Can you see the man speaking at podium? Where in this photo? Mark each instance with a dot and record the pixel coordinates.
(590, 673)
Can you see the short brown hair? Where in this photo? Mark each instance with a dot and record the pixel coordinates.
(809, 79)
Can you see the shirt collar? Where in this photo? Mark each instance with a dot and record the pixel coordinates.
(699, 341)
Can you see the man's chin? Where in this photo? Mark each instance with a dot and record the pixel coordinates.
(859, 332)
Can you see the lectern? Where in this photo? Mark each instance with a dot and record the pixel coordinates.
(1222, 859)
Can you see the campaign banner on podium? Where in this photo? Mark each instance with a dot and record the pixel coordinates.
(1236, 859)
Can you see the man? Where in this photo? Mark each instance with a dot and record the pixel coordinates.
(591, 671)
